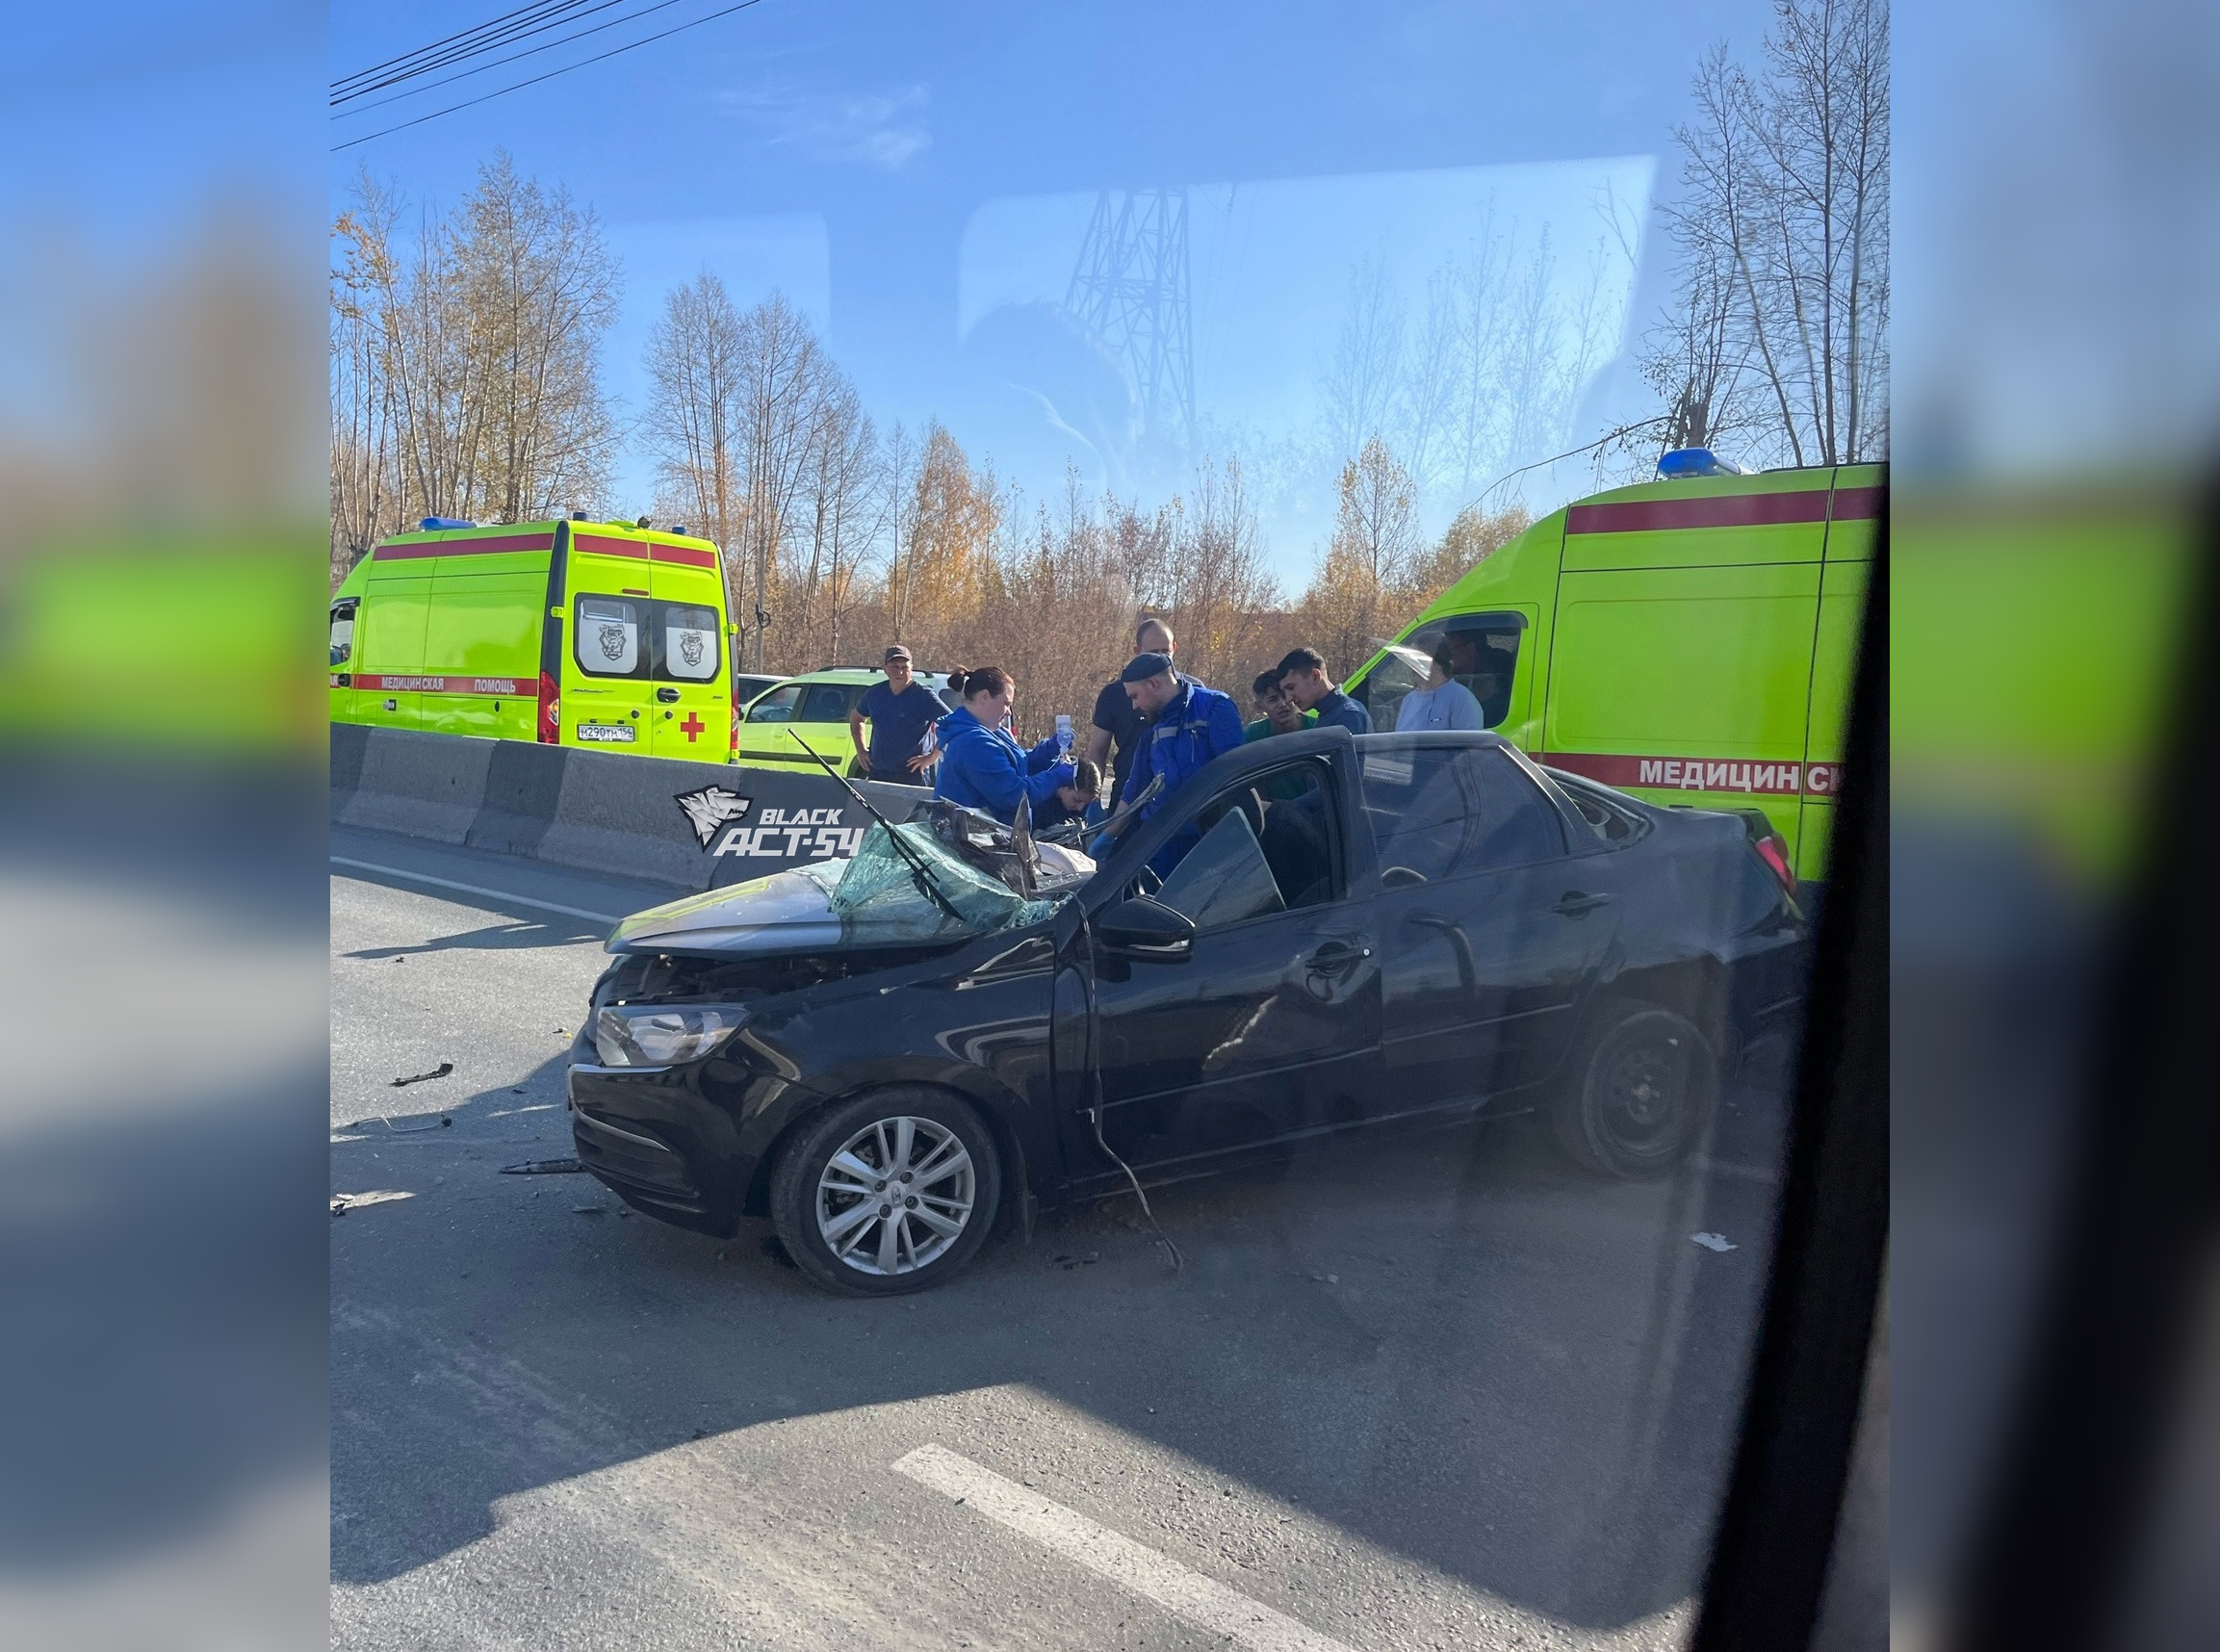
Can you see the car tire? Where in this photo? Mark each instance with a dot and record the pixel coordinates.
(822, 1202)
(1641, 1093)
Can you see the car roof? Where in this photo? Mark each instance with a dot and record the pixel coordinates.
(853, 674)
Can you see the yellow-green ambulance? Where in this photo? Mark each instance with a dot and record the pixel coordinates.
(1687, 641)
(567, 633)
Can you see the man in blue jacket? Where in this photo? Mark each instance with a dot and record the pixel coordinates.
(1189, 725)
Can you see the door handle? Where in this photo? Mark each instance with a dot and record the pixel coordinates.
(668, 696)
(1334, 956)
(1573, 903)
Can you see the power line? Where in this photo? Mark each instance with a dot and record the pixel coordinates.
(465, 75)
(550, 74)
(550, 16)
(522, 15)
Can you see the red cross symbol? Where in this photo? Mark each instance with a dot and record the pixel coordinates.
(693, 726)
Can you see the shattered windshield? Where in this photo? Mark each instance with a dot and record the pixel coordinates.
(877, 897)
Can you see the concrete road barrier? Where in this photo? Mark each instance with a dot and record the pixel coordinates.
(691, 825)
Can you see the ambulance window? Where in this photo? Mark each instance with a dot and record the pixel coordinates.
(687, 644)
(342, 631)
(1482, 652)
(608, 638)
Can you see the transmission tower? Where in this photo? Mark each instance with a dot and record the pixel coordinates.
(1129, 290)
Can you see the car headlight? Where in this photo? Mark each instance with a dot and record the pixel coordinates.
(661, 1035)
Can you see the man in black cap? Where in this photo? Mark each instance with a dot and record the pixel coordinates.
(900, 711)
(1187, 725)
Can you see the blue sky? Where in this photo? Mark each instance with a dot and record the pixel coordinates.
(918, 176)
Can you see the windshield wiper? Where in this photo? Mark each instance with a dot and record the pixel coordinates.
(921, 870)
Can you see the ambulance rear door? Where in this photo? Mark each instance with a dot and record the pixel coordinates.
(608, 687)
(692, 710)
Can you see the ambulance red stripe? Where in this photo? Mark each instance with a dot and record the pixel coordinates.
(602, 545)
(1857, 503)
(505, 688)
(1729, 510)
(464, 547)
(1757, 779)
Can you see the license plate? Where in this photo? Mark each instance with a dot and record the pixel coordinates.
(608, 733)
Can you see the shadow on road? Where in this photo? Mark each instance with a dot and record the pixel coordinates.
(497, 938)
(1453, 1345)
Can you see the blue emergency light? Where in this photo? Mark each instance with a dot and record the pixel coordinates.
(1684, 462)
(433, 523)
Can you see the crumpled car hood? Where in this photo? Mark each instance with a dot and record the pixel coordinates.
(871, 901)
(786, 911)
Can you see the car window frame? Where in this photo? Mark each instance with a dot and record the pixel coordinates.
(1115, 873)
(1574, 836)
(851, 694)
(775, 688)
(1344, 888)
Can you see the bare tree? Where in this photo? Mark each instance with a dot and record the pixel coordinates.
(781, 381)
(846, 509)
(1779, 324)
(363, 473)
(465, 369)
(541, 290)
(692, 421)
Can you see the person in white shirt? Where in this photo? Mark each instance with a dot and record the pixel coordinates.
(1440, 702)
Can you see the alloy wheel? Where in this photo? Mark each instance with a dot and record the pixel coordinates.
(896, 1196)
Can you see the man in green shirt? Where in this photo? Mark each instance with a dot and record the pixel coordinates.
(1281, 715)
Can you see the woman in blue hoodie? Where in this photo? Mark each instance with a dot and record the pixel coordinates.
(984, 767)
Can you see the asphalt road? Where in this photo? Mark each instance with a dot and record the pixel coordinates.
(1446, 1391)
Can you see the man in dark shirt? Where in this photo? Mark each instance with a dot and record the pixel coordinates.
(1302, 674)
(900, 711)
(1116, 717)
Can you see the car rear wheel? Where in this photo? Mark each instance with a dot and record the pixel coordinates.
(888, 1193)
(1641, 1094)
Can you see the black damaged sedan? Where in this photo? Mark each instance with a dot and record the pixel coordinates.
(891, 1056)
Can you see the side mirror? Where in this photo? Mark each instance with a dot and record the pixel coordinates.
(1145, 927)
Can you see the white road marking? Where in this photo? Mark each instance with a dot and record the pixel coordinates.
(473, 889)
(1181, 1590)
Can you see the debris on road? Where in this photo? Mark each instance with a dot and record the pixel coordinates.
(440, 1071)
(589, 1210)
(1715, 1242)
(343, 1202)
(545, 1167)
(1326, 1278)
